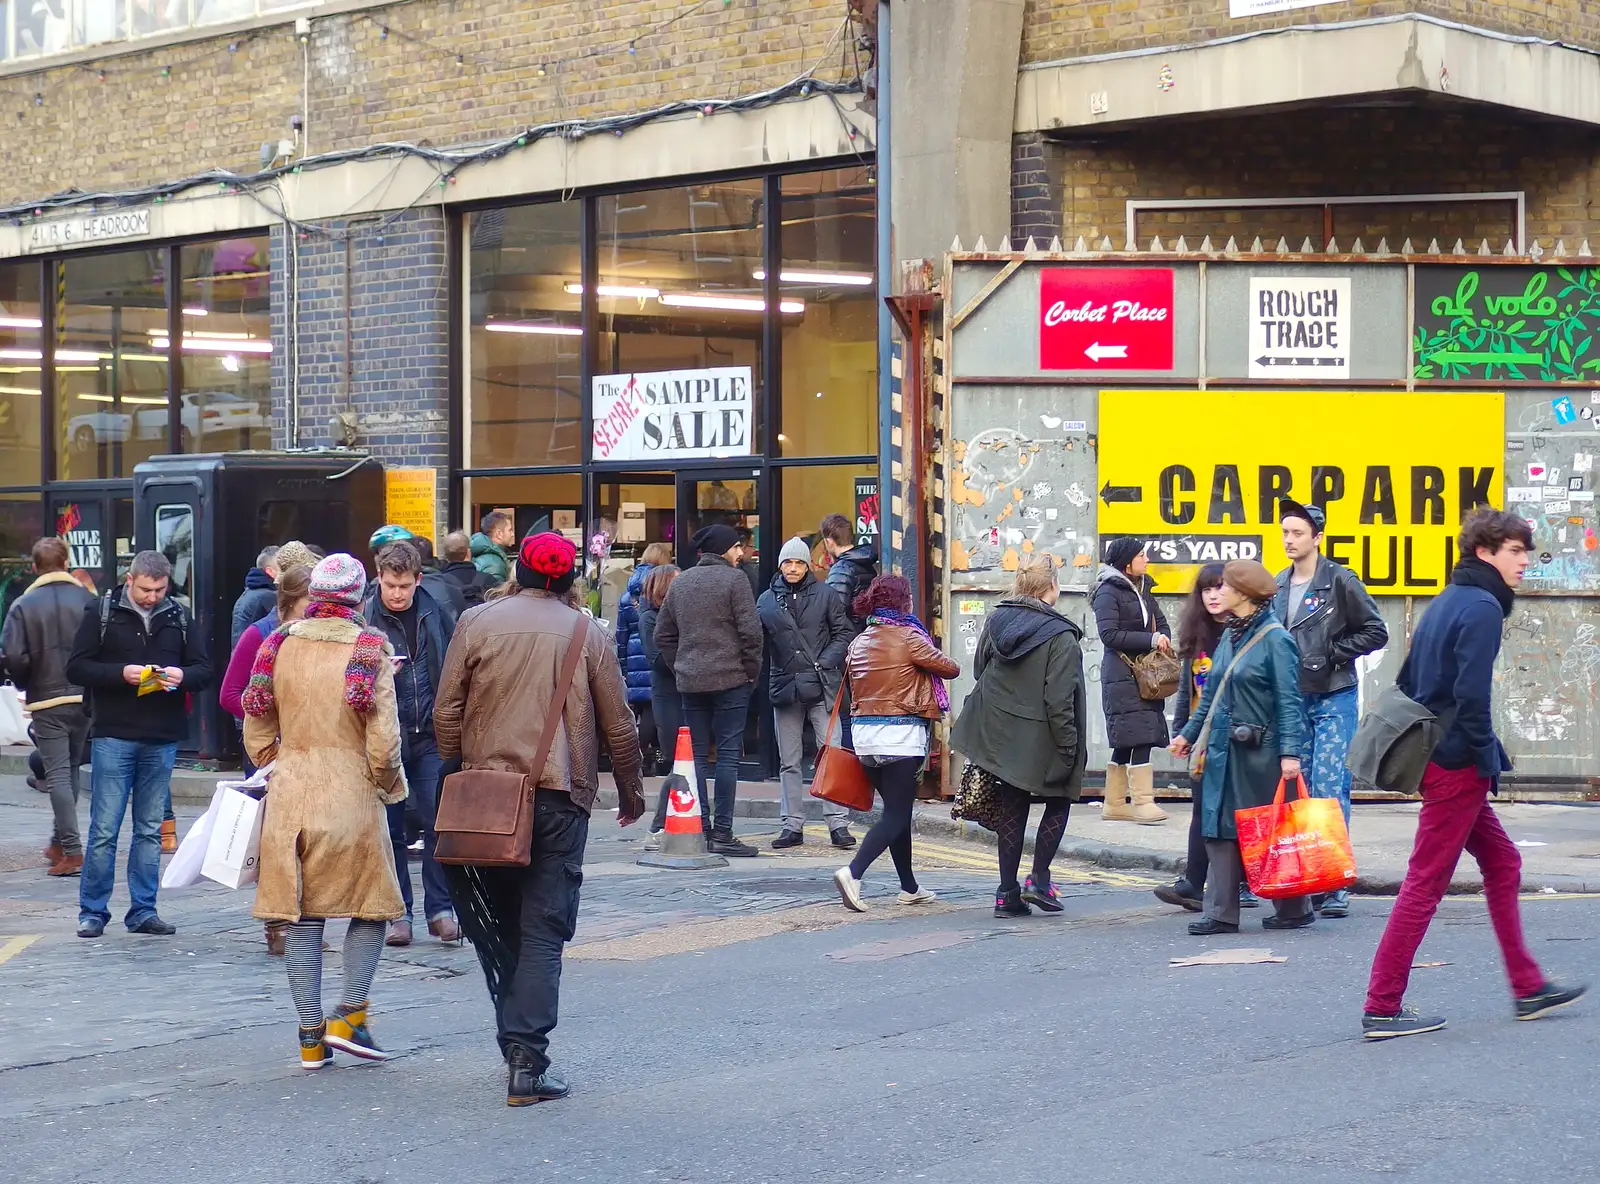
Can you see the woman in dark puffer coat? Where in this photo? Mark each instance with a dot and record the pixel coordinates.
(630, 645)
(1130, 624)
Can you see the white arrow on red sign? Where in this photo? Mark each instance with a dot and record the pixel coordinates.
(1098, 351)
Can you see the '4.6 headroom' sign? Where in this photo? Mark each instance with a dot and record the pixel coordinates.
(1105, 318)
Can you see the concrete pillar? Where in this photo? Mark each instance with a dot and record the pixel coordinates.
(953, 87)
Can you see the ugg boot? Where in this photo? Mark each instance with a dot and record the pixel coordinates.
(1116, 806)
(1141, 783)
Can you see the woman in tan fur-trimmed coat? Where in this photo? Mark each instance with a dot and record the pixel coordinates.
(321, 703)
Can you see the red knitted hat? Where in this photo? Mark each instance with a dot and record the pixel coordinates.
(548, 554)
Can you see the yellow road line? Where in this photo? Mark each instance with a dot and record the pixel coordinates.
(927, 855)
(15, 945)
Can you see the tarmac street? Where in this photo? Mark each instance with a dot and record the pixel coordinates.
(739, 1025)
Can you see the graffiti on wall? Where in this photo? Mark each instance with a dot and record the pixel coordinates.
(1551, 481)
(1526, 323)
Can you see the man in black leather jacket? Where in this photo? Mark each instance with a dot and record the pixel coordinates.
(1334, 621)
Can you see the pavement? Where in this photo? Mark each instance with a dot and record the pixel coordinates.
(738, 1025)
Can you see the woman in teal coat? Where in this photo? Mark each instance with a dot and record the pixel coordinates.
(1251, 718)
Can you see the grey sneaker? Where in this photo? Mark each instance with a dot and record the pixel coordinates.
(1549, 998)
(1337, 904)
(1407, 1023)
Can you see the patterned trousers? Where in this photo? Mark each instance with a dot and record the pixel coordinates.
(1331, 722)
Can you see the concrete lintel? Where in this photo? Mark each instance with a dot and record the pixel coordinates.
(1308, 66)
(785, 133)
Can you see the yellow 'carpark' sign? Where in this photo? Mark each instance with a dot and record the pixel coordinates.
(1199, 474)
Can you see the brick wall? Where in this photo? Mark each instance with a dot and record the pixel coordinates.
(398, 386)
(1055, 29)
(1035, 189)
(219, 104)
(1317, 153)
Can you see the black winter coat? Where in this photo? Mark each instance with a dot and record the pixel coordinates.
(805, 612)
(472, 582)
(38, 637)
(1128, 621)
(117, 710)
(260, 597)
(419, 677)
(850, 575)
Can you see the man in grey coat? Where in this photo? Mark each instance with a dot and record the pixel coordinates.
(807, 636)
(710, 638)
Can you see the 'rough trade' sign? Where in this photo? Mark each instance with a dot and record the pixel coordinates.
(1299, 327)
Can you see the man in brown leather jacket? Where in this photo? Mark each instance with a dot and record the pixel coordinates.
(499, 679)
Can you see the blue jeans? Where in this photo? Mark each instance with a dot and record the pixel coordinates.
(124, 770)
(422, 775)
(1331, 722)
(718, 718)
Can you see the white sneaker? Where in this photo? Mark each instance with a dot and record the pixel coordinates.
(849, 890)
(653, 843)
(920, 896)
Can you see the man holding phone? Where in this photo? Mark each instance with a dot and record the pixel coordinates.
(133, 635)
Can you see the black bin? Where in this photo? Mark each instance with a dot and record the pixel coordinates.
(212, 514)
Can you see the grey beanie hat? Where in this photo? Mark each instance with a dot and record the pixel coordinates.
(795, 548)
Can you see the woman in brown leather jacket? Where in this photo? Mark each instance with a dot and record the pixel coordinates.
(896, 690)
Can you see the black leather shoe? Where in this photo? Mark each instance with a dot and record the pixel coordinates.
(842, 838)
(154, 926)
(91, 927)
(1277, 922)
(1210, 927)
(524, 1087)
(1180, 893)
(789, 838)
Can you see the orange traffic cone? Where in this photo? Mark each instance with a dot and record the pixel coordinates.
(683, 839)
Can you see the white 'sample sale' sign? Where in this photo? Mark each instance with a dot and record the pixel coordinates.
(672, 414)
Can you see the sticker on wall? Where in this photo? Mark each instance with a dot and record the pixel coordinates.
(1565, 412)
(971, 608)
(1581, 495)
(1523, 493)
(1552, 475)
(1574, 484)
(1582, 462)
(970, 644)
(1558, 509)
(1076, 425)
(1536, 472)
(1164, 79)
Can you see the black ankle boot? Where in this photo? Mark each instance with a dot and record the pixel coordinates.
(525, 1087)
(1011, 904)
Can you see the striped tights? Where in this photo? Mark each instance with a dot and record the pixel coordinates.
(302, 950)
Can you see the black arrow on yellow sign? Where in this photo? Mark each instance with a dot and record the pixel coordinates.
(1110, 493)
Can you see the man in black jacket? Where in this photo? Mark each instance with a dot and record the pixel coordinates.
(446, 593)
(260, 595)
(853, 567)
(419, 630)
(139, 657)
(456, 551)
(807, 635)
(1334, 621)
(37, 642)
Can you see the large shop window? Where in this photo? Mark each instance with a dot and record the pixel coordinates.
(227, 347)
(525, 345)
(809, 493)
(830, 345)
(680, 288)
(541, 501)
(110, 357)
(21, 526)
(20, 432)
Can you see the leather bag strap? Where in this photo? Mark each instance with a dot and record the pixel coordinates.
(569, 668)
(1205, 724)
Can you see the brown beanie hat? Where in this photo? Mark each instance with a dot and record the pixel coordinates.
(1249, 578)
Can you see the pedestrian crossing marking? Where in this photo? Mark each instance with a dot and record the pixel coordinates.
(15, 945)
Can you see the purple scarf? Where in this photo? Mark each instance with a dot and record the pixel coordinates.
(888, 616)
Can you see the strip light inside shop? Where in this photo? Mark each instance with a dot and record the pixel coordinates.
(620, 291)
(524, 327)
(21, 323)
(147, 400)
(215, 345)
(854, 279)
(61, 355)
(728, 303)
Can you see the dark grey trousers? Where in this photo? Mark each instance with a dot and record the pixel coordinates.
(1222, 886)
(62, 734)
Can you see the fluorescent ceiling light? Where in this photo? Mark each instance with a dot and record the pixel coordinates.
(204, 333)
(143, 400)
(230, 364)
(18, 390)
(619, 290)
(856, 279)
(21, 323)
(196, 312)
(215, 345)
(727, 303)
(61, 355)
(523, 327)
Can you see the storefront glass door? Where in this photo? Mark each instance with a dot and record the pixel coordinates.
(98, 528)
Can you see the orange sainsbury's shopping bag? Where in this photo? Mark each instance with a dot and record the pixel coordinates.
(1296, 848)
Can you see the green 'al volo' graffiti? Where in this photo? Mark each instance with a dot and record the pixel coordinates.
(1536, 324)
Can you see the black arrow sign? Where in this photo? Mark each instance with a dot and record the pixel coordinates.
(1121, 493)
(1266, 361)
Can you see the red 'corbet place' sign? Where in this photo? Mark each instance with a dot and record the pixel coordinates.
(1105, 318)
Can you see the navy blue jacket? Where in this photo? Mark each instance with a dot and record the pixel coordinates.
(630, 645)
(418, 678)
(260, 597)
(1451, 668)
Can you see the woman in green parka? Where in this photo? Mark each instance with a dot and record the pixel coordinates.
(1251, 718)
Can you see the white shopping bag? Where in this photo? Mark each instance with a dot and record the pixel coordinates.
(235, 841)
(13, 727)
(184, 867)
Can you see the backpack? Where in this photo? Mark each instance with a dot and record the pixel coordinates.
(183, 621)
(1395, 741)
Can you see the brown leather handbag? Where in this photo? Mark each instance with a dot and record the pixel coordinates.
(485, 816)
(1156, 674)
(840, 777)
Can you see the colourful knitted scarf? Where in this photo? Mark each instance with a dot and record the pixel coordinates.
(888, 616)
(359, 674)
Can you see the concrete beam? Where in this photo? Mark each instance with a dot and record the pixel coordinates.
(1307, 66)
(953, 72)
(786, 133)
